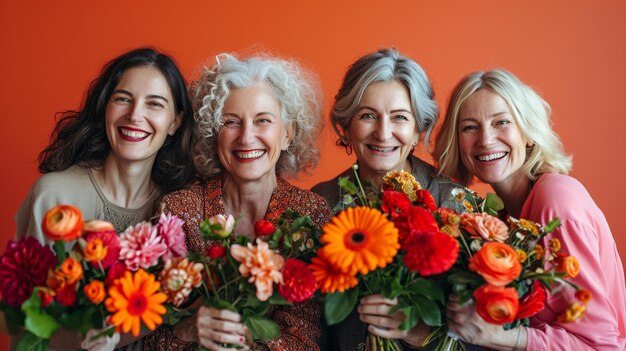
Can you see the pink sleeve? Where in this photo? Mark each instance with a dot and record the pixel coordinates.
(598, 328)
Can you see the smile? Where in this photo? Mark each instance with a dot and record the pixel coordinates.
(491, 157)
(133, 134)
(249, 154)
(382, 149)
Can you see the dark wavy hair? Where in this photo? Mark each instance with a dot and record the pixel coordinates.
(79, 137)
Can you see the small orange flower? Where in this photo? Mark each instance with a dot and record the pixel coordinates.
(529, 226)
(330, 279)
(583, 296)
(95, 291)
(402, 181)
(539, 252)
(568, 265)
(360, 239)
(134, 298)
(555, 245)
(56, 280)
(63, 222)
(72, 270)
(521, 255)
(95, 250)
(573, 313)
(498, 263)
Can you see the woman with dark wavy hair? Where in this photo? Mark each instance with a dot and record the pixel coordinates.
(129, 143)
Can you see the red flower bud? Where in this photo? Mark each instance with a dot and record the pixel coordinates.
(216, 251)
(264, 228)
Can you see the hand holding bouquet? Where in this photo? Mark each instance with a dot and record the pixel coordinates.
(105, 284)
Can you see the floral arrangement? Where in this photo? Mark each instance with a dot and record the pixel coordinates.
(94, 281)
(248, 276)
(505, 267)
(391, 245)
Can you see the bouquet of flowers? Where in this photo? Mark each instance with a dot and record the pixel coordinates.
(94, 281)
(248, 276)
(391, 245)
(504, 266)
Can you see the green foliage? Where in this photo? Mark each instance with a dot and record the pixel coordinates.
(37, 321)
(262, 328)
(31, 342)
(338, 305)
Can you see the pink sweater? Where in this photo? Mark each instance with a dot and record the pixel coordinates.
(585, 234)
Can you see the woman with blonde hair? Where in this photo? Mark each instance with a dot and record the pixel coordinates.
(498, 130)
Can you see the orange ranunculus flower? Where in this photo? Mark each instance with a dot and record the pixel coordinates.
(63, 222)
(568, 265)
(583, 296)
(95, 250)
(484, 226)
(496, 304)
(72, 270)
(97, 225)
(95, 291)
(573, 313)
(498, 263)
(56, 280)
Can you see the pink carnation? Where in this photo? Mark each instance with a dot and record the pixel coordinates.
(141, 246)
(171, 230)
(23, 266)
(261, 264)
(484, 226)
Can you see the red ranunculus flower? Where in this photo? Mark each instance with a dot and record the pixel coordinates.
(430, 253)
(116, 271)
(298, 281)
(66, 296)
(533, 302)
(425, 198)
(415, 218)
(264, 228)
(23, 266)
(216, 251)
(394, 203)
(496, 304)
(46, 296)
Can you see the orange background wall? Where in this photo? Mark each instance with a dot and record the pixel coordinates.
(573, 52)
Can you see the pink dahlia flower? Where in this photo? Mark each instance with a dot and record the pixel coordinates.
(171, 230)
(23, 266)
(141, 246)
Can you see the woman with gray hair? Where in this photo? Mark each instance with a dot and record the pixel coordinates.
(498, 129)
(384, 107)
(257, 121)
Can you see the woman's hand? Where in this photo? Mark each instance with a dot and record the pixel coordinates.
(374, 310)
(212, 328)
(471, 328)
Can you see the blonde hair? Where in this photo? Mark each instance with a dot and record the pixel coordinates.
(296, 89)
(530, 111)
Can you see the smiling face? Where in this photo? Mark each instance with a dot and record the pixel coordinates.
(140, 114)
(490, 142)
(382, 131)
(253, 134)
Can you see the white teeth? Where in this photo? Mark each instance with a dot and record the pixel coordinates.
(381, 149)
(133, 134)
(251, 154)
(492, 156)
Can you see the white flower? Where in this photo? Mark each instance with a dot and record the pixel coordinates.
(227, 224)
(102, 343)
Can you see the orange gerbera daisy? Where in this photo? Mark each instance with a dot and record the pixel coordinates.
(328, 278)
(360, 240)
(134, 298)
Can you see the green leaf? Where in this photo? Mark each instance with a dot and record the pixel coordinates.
(31, 342)
(346, 185)
(262, 328)
(412, 317)
(40, 324)
(463, 278)
(427, 288)
(339, 305)
(492, 204)
(555, 223)
(59, 249)
(429, 311)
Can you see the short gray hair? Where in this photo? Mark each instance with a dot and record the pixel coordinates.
(295, 88)
(386, 65)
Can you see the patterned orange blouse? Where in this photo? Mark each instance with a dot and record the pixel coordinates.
(299, 323)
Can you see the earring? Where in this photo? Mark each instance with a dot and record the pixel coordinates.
(343, 141)
(348, 148)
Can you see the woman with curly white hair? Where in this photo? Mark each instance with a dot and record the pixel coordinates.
(257, 121)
